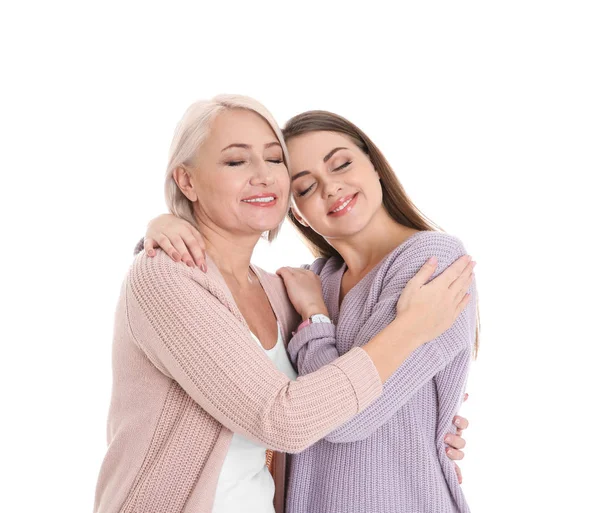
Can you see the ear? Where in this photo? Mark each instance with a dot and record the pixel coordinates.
(184, 181)
(298, 217)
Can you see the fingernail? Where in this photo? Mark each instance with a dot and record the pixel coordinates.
(203, 267)
(457, 422)
(474, 264)
(449, 451)
(190, 264)
(447, 439)
(466, 397)
(432, 260)
(150, 252)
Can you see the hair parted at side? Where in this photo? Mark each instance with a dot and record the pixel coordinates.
(395, 200)
(192, 130)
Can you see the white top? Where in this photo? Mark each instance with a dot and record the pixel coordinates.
(245, 483)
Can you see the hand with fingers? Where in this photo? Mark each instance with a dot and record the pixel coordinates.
(456, 442)
(304, 291)
(176, 237)
(431, 307)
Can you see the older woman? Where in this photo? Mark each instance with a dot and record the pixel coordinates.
(196, 355)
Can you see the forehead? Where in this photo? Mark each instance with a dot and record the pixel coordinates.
(239, 126)
(308, 148)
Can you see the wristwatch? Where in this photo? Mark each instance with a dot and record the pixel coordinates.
(314, 319)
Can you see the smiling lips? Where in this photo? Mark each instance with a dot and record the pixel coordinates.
(343, 206)
(261, 200)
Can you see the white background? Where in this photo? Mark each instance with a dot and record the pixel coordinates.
(489, 113)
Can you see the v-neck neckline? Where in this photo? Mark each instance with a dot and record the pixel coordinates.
(257, 273)
(339, 276)
(262, 285)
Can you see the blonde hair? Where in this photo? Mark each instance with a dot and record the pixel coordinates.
(192, 131)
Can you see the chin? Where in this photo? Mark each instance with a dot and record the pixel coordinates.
(267, 222)
(266, 226)
(263, 232)
(349, 228)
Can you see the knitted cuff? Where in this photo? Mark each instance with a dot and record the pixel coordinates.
(363, 375)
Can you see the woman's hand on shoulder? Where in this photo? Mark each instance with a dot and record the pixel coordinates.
(304, 290)
(177, 238)
(433, 307)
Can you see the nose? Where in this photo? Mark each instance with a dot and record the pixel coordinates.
(262, 175)
(331, 188)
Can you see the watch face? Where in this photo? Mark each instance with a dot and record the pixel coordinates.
(319, 318)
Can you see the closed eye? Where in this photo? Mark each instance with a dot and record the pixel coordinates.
(234, 163)
(343, 166)
(305, 192)
(275, 161)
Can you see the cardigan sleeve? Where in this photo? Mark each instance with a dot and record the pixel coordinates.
(315, 346)
(176, 317)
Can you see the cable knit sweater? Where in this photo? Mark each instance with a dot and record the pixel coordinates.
(186, 374)
(391, 457)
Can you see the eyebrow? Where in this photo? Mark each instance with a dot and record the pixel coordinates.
(330, 154)
(325, 159)
(248, 146)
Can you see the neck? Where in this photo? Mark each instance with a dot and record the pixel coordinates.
(231, 253)
(364, 250)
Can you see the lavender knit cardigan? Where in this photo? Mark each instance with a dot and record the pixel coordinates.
(390, 458)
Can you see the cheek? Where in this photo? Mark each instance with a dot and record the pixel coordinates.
(372, 187)
(221, 190)
(283, 179)
(377, 191)
(283, 184)
(312, 212)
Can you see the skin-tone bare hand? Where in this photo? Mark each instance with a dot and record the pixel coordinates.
(178, 238)
(433, 307)
(304, 290)
(456, 442)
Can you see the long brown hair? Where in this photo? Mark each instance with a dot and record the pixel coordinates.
(395, 200)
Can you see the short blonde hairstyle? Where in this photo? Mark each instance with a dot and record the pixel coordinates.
(192, 131)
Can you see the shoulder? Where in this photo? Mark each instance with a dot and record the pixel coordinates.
(159, 269)
(325, 266)
(404, 262)
(161, 276)
(152, 271)
(159, 284)
(431, 243)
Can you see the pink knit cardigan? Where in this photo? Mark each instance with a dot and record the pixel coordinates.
(186, 374)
